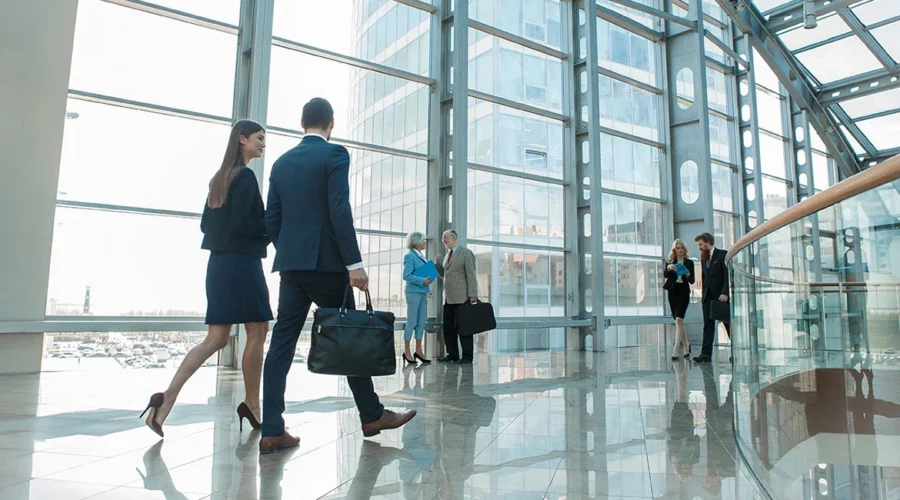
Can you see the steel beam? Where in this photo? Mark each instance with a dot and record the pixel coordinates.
(438, 151)
(351, 61)
(866, 36)
(629, 24)
(572, 188)
(790, 15)
(844, 119)
(870, 27)
(459, 58)
(509, 103)
(688, 141)
(865, 84)
(106, 207)
(147, 107)
(749, 20)
(657, 13)
(518, 40)
(630, 81)
(418, 4)
(587, 132)
(750, 158)
(519, 175)
(177, 15)
(725, 48)
(880, 114)
(719, 66)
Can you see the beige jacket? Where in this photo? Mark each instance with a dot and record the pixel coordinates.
(460, 280)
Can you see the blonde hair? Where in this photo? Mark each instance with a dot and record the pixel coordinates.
(672, 255)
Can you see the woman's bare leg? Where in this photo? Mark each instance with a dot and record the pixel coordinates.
(216, 339)
(252, 364)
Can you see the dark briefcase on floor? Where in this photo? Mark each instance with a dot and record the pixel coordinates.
(351, 342)
(475, 318)
(720, 311)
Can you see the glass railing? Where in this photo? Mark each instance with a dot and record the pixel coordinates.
(816, 342)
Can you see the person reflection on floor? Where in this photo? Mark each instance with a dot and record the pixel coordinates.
(459, 429)
(416, 443)
(719, 434)
(156, 475)
(683, 444)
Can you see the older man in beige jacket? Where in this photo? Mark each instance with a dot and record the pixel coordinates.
(460, 286)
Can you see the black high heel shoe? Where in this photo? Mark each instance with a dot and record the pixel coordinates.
(420, 358)
(156, 401)
(243, 412)
(408, 361)
(688, 355)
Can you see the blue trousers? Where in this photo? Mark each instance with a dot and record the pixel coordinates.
(415, 315)
(298, 290)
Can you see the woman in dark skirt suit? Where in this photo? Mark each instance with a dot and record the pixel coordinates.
(236, 292)
(679, 288)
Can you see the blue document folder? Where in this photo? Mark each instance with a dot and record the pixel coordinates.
(428, 270)
(680, 269)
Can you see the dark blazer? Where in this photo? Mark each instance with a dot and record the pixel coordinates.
(237, 226)
(308, 215)
(672, 275)
(715, 276)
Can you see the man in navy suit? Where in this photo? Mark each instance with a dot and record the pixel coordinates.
(715, 287)
(310, 223)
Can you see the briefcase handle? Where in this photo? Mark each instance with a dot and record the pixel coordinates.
(347, 295)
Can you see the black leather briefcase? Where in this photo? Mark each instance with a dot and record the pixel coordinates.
(720, 311)
(351, 342)
(475, 318)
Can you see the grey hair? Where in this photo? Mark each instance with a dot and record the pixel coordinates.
(452, 232)
(414, 239)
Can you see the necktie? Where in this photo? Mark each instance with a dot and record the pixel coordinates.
(449, 257)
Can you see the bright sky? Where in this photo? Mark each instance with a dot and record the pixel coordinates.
(119, 156)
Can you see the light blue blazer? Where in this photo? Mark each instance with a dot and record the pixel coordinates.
(414, 284)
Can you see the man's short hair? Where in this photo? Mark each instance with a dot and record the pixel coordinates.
(452, 232)
(706, 238)
(317, 113)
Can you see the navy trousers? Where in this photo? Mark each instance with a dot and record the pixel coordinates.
(298, 291)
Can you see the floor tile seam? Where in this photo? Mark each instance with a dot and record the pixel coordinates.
(82, 498)
(67, 469)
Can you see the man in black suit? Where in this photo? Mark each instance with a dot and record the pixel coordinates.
(715, 287)
(310, 223)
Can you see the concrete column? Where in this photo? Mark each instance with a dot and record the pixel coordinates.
(35, 54)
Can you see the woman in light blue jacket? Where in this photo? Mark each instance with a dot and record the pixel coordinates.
(416, 293)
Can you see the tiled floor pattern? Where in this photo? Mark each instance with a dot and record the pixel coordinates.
(622, 424)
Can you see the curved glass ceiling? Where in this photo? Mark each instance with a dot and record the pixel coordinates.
(851, 59)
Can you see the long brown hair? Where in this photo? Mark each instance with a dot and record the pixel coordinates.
(234, 157)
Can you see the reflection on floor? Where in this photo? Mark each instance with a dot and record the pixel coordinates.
(623, 424)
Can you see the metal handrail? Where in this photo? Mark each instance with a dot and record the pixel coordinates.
(840, 285)
(871, 178)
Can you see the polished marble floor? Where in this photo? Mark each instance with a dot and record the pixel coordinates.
(628, 423)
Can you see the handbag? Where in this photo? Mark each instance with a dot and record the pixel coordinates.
(720, 311)
(475, 318)
(352, 343)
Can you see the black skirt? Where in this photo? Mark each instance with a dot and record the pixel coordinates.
(236, 290)
(679, 299)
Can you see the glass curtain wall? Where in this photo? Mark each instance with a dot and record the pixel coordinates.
(148, 118)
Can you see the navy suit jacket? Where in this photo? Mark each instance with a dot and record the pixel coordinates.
(308, 217)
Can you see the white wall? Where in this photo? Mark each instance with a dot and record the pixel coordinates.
(35, 56)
